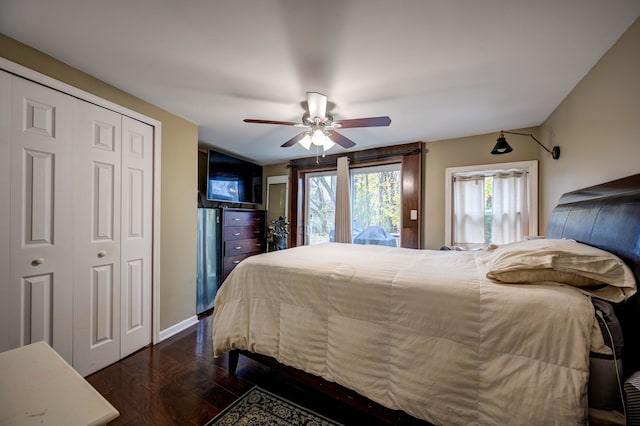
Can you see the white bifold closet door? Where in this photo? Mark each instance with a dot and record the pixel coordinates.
(76, 234)
(97, 238)
(136, 235)
(113, 187)
(41, 202)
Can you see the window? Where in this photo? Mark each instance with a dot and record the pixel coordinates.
(375, 205)
(496, 203)
(320, 213)
(308, 193)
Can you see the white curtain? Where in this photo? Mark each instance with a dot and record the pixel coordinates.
(468, 208)
(510, 215)
(343, 203)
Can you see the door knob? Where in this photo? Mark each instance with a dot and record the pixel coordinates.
(102, 253)
(37, 261)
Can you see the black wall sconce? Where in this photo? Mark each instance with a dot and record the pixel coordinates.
(502, 147)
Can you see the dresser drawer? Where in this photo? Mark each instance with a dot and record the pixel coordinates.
(243, 218)
(243, 234)
(230, 262)
(233, 248)
(232, 233)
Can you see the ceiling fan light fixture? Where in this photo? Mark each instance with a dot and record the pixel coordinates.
(328, 144)
(317, 103)
(305, 141)
(318, 138)
(321, 127)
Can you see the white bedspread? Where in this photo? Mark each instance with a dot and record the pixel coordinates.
(417, 330)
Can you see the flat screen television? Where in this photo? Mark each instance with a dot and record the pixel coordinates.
(232, 180)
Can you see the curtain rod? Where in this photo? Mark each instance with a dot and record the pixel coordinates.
(360, 159)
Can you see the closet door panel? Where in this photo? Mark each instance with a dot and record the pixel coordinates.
(37, 292)
(97, 238)
(137, 203)
(5, 194)
(41, 277)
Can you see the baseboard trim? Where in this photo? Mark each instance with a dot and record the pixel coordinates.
(177, 328)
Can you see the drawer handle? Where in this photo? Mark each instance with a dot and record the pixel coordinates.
(256, 232)
(258, 244)
(235, 234)
(236, 218)
(235, 262)
(37, 261)
(237, 247)
(257, 218)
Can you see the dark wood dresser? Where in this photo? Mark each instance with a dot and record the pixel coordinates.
(244, 234)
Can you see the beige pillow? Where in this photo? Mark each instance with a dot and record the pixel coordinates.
(563, 261)
(543, 274)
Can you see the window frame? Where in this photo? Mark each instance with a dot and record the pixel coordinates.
(532, 169)
(409, 155)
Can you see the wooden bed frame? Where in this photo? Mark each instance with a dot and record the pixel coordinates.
(334, 390)
(606, 216)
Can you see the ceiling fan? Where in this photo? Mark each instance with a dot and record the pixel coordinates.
(321, 127)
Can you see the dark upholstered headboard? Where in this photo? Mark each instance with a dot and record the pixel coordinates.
(607, 216)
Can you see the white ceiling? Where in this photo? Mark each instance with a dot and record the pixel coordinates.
(439, 68)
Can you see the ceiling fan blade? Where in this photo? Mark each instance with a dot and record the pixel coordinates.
(363, 122)
(293, 140)
(341, 140)
(282, 123)
(317, 103)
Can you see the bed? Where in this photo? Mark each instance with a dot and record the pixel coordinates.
(449, 337)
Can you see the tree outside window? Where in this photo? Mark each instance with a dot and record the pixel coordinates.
(375, 204)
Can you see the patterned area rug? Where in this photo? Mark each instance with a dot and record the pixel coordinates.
(260, 407)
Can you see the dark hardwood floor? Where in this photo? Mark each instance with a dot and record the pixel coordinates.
(178, 382)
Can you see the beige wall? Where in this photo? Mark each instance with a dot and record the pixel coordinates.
(179, 155)
(597, 126)
(279, 169)
(469, 151)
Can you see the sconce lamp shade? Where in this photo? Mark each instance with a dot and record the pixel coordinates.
(502, 147)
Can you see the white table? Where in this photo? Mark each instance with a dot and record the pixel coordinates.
(38, 387)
